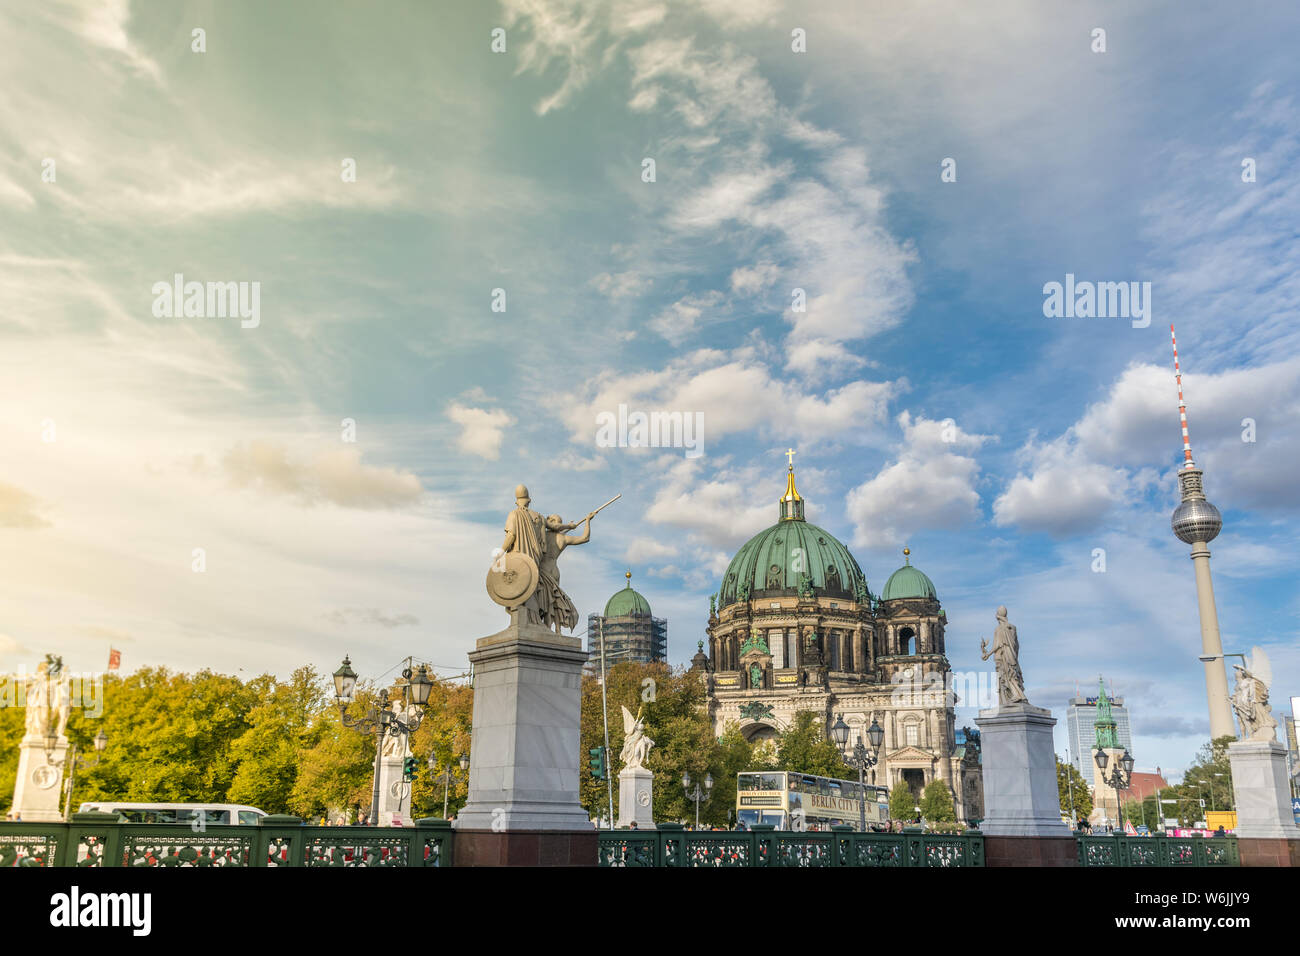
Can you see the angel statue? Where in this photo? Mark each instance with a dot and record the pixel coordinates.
(636, 745)
(1250, 697)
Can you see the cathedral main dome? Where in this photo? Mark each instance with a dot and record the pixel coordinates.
(790, 555)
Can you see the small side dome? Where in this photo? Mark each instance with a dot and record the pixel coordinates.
(627, 602)
(908, 582)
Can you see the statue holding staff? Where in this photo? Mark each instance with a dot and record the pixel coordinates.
(525, 575)
(1006, 658)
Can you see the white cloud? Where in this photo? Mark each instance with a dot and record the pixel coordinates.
(736, 392)
(1063, 495)
(482, 430)
(643, 549)
(621, 285)
(929, 486)
(18, 509)
(335, 476)
(1103, 461)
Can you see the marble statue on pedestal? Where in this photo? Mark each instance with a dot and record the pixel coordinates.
(636, 745)
(1250, 697)
(1021, 796)
(525, 577)
(1006, 658)
(48, 706)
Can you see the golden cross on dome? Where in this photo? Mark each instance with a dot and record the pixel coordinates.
(790, 453)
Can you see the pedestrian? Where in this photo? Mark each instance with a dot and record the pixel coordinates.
(632, 825)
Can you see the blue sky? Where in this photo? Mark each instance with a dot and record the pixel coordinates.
(130, 440)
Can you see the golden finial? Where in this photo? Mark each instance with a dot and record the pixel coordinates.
(791, 501)
(907, 556)
(628, 575)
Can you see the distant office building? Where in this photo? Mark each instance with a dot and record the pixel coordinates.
(631, 632)
(1081, 725)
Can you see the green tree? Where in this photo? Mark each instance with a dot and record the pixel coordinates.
(170, 737)
(12, 719)
(804, 748)
(936, 803)
(282, 726)
(1076, 801)
(902, 802)
(337, 771)
(1209, 778)
(444, 733)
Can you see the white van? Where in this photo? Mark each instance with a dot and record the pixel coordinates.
(211, 814)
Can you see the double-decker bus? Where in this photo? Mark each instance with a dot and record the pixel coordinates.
(798, 801)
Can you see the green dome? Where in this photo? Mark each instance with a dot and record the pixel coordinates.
(908, 582)
(627, 602)
(769, 558)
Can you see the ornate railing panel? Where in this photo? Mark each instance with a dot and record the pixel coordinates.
(98, 840)
(670, 845)
(29, 844)
(1158, 850)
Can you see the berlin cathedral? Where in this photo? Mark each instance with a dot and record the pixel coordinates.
(795, 627)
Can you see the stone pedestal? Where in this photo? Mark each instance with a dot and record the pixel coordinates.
(635, 798)
(1259, 784)
(37, 793)
(394, 793)
(524, 753)
(1021, 797)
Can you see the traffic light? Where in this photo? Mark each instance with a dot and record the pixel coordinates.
(597, 763)
(408, 769)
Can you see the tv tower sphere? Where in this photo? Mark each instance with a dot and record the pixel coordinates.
(1196, 520)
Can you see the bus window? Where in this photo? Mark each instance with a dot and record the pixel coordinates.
(824, 786)
(747, 781)
(795, 781)
(209, 817)
(159, 816)
(835, 788)
(772, 781)
(748, 818)
(248, 818)
(775, 818)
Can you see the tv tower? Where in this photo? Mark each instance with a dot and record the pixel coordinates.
(1197, 522)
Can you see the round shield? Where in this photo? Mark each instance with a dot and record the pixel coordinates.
(512, 579)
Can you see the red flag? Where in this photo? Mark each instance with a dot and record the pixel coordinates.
(114, 659)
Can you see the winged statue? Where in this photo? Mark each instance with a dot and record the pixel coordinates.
(1250, 697)
(636, 745)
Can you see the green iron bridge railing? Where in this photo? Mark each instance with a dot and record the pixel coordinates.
(1158, 850)
(98, 840)
(671, 845)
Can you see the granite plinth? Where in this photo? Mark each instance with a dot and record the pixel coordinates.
(1261, 791)
(524, 752)
(1021, 797)
(635, 798)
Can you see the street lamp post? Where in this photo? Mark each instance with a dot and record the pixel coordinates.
(1118, 777)
(862, 758)
(379, 718)
(445, 777)
(696, 794)
(73, 762)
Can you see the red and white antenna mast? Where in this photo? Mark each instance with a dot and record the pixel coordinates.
(1182, 405)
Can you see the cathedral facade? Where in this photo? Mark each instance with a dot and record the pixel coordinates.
(795, 627)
